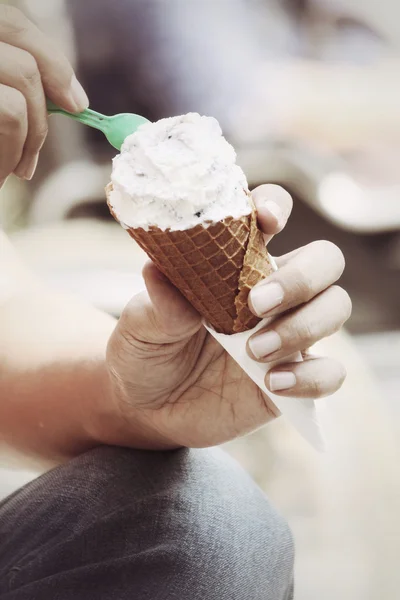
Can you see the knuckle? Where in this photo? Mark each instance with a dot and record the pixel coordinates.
(329, 381)
(12, 19)
(13, 110)
(36, 140)
(60, 75)
(301, 286)
(316, 387)
(29, 70)
(304, 331)
(295, 332)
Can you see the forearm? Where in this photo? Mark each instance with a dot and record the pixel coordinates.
(45, 411)
(56, 395)
(52, 370)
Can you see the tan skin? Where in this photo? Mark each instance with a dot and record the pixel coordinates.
(180, 383)
(187, 389)
(155, 379)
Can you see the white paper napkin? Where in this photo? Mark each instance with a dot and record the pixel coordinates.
(302, 413)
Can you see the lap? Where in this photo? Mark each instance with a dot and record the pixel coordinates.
(117, 523)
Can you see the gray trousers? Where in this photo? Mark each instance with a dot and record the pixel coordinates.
(118, 524)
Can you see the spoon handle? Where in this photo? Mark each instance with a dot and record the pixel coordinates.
(87, 117)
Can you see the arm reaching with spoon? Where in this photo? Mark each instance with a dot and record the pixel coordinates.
(31, 68)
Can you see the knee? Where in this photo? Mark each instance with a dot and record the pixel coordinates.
(244, 546)
(203, 509)
(197, 515)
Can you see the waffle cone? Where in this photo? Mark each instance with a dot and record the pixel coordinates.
(214, 267)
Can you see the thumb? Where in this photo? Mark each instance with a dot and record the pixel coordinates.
(162, 315)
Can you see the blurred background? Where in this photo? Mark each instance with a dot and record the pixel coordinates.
(308, 91)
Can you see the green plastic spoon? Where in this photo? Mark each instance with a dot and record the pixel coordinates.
(115, 128)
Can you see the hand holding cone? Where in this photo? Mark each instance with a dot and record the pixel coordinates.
(214, 267)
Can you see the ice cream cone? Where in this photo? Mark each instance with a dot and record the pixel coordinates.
(214, 267)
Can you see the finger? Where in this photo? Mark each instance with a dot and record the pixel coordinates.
(315, 377)
(274, 205)
(308, 272)
(59, 81)
(18, 69)
(172, 317)
(300, 329)
(13, 129)
(172, 309)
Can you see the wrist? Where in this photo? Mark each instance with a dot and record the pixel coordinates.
(113, 419)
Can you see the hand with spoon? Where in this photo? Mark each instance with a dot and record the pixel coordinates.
(31, 70)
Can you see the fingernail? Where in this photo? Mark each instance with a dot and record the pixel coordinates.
(78, 95)
(281, 380)
(265, 343)
(27, 170)
(276, 210)
(265, 297)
